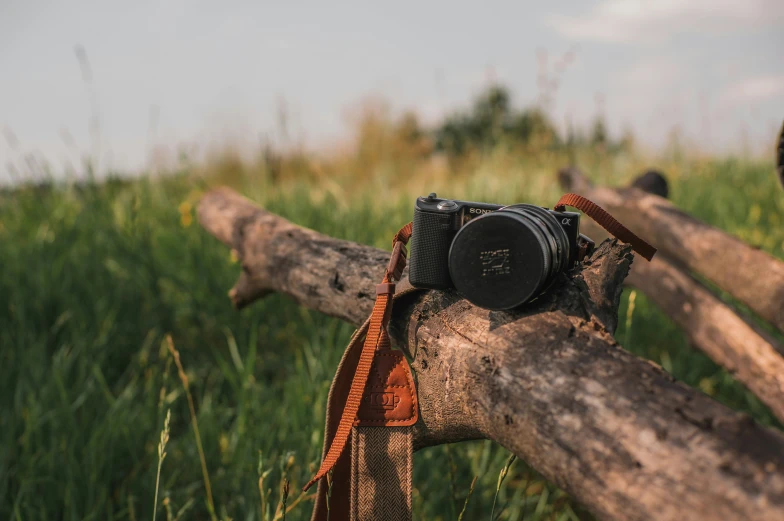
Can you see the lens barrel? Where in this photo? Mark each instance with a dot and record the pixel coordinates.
(503, 259)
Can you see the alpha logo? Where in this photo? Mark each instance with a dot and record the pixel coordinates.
(479, 210)
(383, 401)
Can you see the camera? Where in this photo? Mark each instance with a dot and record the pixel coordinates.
(498, 257)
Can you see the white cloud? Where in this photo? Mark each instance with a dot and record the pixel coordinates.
(654, 73)
(750, 90)
(615, 21)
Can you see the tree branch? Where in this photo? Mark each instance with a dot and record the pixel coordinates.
(547, 381)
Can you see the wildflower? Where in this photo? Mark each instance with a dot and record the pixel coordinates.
(185, 214)
(754, 214)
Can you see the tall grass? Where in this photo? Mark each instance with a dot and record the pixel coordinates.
(161, 456)
(93, 277)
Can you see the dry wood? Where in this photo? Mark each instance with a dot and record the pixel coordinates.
(712, 326)
(748, 353)
(548, 381)
(749, 274)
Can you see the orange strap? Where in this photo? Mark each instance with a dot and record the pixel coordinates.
(606, 221)
(376, 339)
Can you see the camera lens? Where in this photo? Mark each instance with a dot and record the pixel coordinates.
(556, 238)
(501, 260)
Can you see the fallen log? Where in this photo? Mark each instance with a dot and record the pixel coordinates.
(748, 274)
(547, 381)
(750, 354)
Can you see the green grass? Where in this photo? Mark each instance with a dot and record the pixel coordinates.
(93, 278)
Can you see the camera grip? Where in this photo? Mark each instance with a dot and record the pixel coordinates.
(430, 242)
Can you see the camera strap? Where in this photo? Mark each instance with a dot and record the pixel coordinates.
(373, 402)
(606, 221)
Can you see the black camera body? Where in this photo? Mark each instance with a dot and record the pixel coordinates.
(498, 257)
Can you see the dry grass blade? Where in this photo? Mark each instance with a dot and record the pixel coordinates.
(301, 497)
(501, 477)
(465, 504)
(261, 496)
(630, 315)
(194, 423)
(280, 512)
(167, 508)
(329, 492)
(161, 456)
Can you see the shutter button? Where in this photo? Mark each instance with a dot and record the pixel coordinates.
(447, 205)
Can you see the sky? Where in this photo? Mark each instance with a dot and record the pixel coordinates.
(132, 83)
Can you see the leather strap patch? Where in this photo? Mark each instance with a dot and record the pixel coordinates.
(390, 398)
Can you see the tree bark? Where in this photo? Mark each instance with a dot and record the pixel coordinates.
(750, 275)
(547, 381)
(748, 354)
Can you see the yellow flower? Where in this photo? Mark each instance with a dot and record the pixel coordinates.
(708, 386)
(754, 214)
(185, 214)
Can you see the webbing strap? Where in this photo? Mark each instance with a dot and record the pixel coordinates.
(381, 470)
(376, 339)
(333, 500)
(606, 221)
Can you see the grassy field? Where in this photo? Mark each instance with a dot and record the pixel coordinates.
(94, 277)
